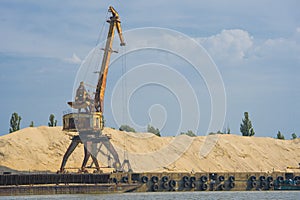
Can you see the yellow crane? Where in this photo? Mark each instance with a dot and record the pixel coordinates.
(88, 120)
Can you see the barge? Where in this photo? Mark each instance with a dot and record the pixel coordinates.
(92, 183)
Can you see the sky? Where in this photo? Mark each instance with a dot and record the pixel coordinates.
(255, 46)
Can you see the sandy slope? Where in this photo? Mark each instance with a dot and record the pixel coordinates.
(42, 149)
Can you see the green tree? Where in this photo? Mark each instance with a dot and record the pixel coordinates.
(15, 121)
(294, 136)
(155, 131)
(31, 124)
(246, 126)
(280, 136)
(189, 133)
(126, 128)
(52, 122)
(227, 131)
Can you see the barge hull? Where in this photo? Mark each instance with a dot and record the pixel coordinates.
(23, 184)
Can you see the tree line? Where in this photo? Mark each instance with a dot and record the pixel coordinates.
(15, 122)
(246, 127)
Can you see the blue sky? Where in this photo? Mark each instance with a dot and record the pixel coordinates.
(255, 45)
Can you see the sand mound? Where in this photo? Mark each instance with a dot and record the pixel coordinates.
(42, 149)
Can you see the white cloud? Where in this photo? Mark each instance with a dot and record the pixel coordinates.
(74, 59)
(280, 51)
(238, 48)
(229, 45)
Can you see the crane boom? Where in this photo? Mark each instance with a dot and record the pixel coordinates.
(115, 23)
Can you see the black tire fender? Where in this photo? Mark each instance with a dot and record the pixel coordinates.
(165, 185)
(144, 179)
(203, 179)
(154, 187)
(262, 178)
(154, 179)
(280, 179)
(165, 179)
(125, 179)
(186, 184)
(193, 179)
(204, 186)
(253, 184)
(193, 184)
(231, 178)
(270, 179)
(185, 178)
(115, 180)
(270, 184)
(172, 183)
(222, 186)
(253, 178)
(221, 178)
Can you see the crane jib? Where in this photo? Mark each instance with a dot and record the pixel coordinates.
(115, 23)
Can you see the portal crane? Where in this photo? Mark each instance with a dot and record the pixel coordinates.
(89, 123)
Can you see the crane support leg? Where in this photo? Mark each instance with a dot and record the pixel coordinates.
(90, 151)
(114, 153)
(75, 141)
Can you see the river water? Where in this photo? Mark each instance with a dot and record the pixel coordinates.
(267, 195)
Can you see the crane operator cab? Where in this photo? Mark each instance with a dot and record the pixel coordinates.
(82, 99)
(86, 119)
(82, 95)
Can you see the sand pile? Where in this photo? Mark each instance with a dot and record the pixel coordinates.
(37, 148)
(42, 149)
